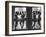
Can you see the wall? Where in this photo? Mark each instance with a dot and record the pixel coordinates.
(2, 18)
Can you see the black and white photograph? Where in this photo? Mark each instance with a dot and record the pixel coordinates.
(25, 18)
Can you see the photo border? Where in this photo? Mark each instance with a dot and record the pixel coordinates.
(7, 17)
